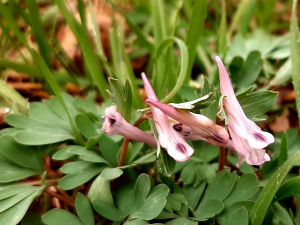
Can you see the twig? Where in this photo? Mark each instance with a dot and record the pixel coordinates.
(69, 202)
(126, 140)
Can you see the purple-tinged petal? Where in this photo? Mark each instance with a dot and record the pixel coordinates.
(200, 124)
(238, 122)
(168, 138)
(114, 123)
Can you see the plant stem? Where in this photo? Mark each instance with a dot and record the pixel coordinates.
(69, 202)
(126, 141)
(222, 158)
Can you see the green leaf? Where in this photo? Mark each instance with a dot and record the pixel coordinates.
(65, 153)
(79, 176)
(37, 132)
(194, 33)
(122, 97)
(86, 126)
(12, 171)
(212, 110)
(84, 210)
(283, 153)
(224, 217)
(239, 217)
(208, 209)
(107, 210)
(282, 214)
(151, 157)
(55, 88)
(288, 189)
(110, 149)
(111, 173)
(295, 53)
(26, 156)
(221, 186)
(125, 198)
(32, 219)
(61, 217)
(182, 221)
(100, 190)
(192, 194)
(256, 103)
(265, 198)
(141, 190)
(248, 73)
(88, 155)
(245, 187)
(14, 214)
(150, 207)
(168, 162)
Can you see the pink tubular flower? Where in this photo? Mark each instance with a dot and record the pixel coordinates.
(168, 138)
(199, 124)
(248, 140)
(114, 123)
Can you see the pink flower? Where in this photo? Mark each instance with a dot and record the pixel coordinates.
(168, 138)
(248, 140)
(114, 123)
(202, 126)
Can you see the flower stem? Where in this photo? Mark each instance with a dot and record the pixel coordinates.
(126, 141)
(222, 158)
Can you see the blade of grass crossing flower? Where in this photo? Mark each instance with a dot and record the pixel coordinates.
(194, 33)
(265, 198)
(90, 56)
(295, 54)
(39, 31)
(222, 36)
(54, 86)
(122, 65)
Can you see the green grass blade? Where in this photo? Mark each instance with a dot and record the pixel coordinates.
(22, 68)
(122, 65)
(159, 21)
(246, 19)
(39, 31)
(140, 35)
(184, 63)
(265, 198)
(222, 36)
(13, 96)
(295, 54)
(89, 55)
(237, 17)
(55, 88)
(11, 22)
(194, 33)
(81, 10)
(283, 153)
(96, 32)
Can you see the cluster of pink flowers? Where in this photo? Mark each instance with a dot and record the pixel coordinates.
(246, 138)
